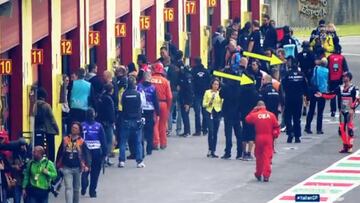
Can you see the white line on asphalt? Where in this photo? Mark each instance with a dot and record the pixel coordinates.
(350, 54)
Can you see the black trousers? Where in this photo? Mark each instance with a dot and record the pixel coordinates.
(95, 168)
(332, 86)
(232, 123)
(149, 130)
(185, 118)
(293, 109)
(320, 111)
(48, 142)
(213, 122)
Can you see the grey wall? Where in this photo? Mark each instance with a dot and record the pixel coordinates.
(286, 12)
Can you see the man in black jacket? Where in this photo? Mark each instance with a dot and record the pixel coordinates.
(295, 87)
(106, 116)
(185, 97)
(201, 82)
(230, 110)
(269, 34)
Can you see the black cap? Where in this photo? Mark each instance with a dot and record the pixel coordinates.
(322, 22)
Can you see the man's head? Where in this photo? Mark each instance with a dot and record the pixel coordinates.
(305, 45)
(147, 76)
(38, 153)
(232, 45)
(141, 59)
(132, 82)
(234, 35)
(164, 52)
(41, 93)
(90, 114)
(272, 23)
(179, 55)
(260, 103)
(220, 29)
(255, 65)
(243, 62)
(267, 79)
(92, 68)
(236, 23)
(109, 88)
(197, 61)
(108, 76)
(120, 71)
(322, 22)
(266, 19)
(255, 25)
(80, 73)
(347, 77)
(338, 49)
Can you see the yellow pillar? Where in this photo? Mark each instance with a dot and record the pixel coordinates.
(135, 12)
(159, 26)
(182, 26)
(110, 32)
(56, 65)
(224, 14)
(205, 32)
(245, 15)
(84, 27)
(26, 36)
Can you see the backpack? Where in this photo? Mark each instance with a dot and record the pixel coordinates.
(319, 80)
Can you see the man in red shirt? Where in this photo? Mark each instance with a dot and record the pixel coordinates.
(267, 130)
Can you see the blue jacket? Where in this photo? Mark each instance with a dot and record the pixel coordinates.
(80, 94)
(320, 78)
(94, 136)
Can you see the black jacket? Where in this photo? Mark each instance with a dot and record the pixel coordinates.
(257, 76)
(230, 93)
(271, 98)
(201, 80)
(106, 110)
(185, 84)
(306, 61)
(248, 98)
(294, 85)
(131, 103)
(270, 37)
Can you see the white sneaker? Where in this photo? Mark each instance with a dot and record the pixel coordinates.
(141, 165)
(121, 164)
(283, 129)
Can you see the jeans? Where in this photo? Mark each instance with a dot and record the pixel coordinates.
(175, 109)
(72, 184)
(213, 121)
(34, 199)
(96, 163)
(293, 109)
(186, 120)
(149, 130)
(230, 124)
(131, 128)
(17, 194)
(199, 126)
(320, 110)
(109, 132)
(332, 86)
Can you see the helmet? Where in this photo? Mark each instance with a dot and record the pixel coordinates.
(158, 68)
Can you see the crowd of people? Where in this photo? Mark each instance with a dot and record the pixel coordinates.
(141, 103)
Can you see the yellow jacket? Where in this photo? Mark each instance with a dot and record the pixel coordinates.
(216, 103)
(327, 44)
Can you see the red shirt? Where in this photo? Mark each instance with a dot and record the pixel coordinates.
(265, 123)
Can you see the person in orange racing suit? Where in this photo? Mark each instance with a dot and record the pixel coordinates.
(348, 95)
(267, 129)
(164, 95)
